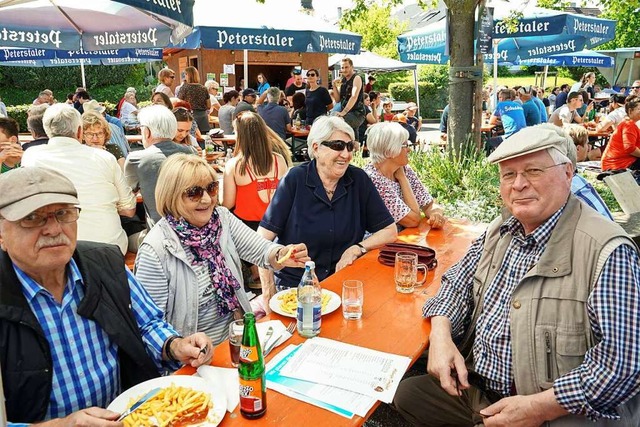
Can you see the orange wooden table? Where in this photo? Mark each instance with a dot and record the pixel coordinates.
(391, 322)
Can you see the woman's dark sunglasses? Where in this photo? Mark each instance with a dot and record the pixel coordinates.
(196, 192)
(338, 145)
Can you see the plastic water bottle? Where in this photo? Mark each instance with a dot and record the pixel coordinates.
(229, 155)
(309, 302)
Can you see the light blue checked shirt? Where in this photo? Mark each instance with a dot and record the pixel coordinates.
(85, 360)
(584, 191)
(610, 372)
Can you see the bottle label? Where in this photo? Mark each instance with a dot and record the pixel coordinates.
(251, 395)
(248, 354)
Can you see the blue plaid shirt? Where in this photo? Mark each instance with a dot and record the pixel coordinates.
(584, 191)
(610, 372)
(85, 360)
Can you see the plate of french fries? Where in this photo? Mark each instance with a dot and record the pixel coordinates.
(285, 302)
(182, 401)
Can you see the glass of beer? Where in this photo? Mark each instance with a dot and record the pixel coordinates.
(235, 340)
(406, 272)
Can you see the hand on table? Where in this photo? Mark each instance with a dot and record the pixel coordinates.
(436, 219)
(188, 350)
(348, 257)
(90, 417)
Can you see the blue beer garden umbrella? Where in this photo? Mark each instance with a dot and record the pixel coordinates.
(93, 24)
(275, 26)
(585, 58)
(539, 33)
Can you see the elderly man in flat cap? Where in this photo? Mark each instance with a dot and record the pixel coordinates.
(539, 323)
(76, 327)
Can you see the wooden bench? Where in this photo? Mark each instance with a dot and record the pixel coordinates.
(627, 193)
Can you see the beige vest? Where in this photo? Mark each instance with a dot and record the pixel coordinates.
(550, 329)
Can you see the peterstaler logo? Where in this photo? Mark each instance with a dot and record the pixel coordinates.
(254, 40)
(430, 57)
(10, 54)
(341, 44)
(167, 4)
(427, 41)
(124, 38)
(569, 46)
(37, 37)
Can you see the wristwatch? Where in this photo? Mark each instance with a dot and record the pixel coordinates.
(363, 250)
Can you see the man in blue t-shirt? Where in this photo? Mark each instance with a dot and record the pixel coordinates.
(510, 114)
(274, 115)
(561, 98)
(529, 107)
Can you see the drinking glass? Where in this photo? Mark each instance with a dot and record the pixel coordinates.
(406, 272)
(235, 340)
(352, 299)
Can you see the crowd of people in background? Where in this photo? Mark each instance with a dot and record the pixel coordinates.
(194, 237)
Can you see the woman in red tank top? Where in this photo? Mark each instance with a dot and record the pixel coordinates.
(252, 175)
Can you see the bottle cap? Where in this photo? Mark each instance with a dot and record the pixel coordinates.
(309, 264)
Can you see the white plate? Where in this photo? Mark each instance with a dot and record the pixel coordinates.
(216, 414)
(274, 302)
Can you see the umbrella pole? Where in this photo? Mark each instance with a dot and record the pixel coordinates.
(245, 59)
(84, 81)
(495, 71)
(415, 82)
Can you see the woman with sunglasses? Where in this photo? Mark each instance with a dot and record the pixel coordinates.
(190, 260)
(327, 204)
(399, 186)
(166, 77)
(318, 100)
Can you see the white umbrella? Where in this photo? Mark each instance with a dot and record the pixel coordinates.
(85, 24)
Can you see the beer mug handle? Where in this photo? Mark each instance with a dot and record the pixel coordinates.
(424, 279)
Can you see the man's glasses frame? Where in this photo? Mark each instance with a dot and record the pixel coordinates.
(530, 174)
(63, 216)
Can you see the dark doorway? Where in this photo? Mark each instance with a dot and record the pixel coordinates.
(277, 75)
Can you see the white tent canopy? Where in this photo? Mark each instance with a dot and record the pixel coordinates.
(369, 62)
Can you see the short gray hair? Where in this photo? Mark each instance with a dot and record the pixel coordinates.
(159, 120)
(211, 84)
(34, 119)
(322, 129)
(557, 156)
(61, 120)
(385, 140)
(273, 94)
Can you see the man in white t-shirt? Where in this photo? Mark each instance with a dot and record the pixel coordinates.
(567, 114)
(102, 189)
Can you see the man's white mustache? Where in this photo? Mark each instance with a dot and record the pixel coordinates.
(45, 241)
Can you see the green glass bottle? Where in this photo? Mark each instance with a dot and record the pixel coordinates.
(253, 386)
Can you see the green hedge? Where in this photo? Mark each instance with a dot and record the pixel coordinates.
(19, 113)
(432, 98)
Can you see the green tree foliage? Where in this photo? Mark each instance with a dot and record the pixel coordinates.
(20, 85)
(378, 29)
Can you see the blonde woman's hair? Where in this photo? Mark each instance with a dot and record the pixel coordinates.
(279, 146)
(178, 173)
